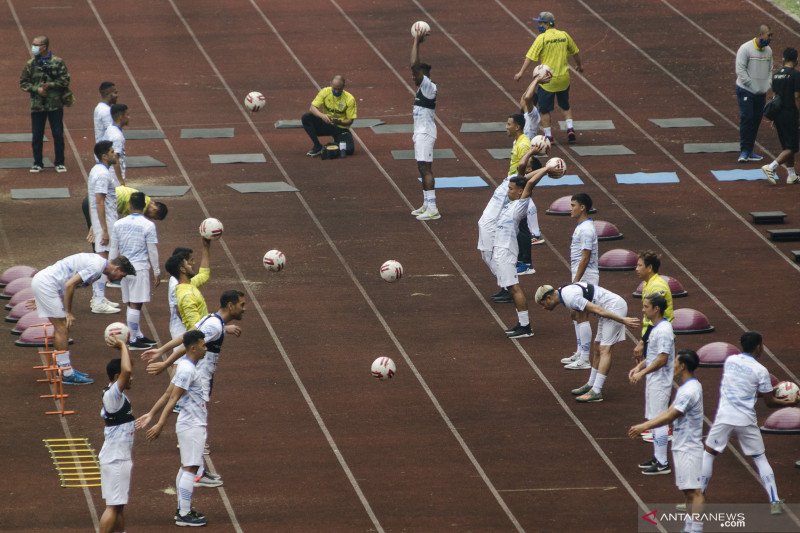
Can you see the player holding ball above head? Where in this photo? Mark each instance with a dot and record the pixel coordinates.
(332, 112)
(552, 48)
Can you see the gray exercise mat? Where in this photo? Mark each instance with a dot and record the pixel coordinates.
(136, 135)
(438, 153)
(39, 194)
(685, 122)
(499, 153)
(367, 122)
(22, 162)
(160, 191)
(142, 161)
(482, 127)
(284, 124)
(207, 133)
(262, 186)
(237, 158)
(17, 138)
(710, 148)
(587, 125)
(609, 149)
(393, 128)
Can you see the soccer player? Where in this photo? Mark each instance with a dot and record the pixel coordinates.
(647, 265)
(686, 414)
(744, 380)
(115, 457)
(657, 369)
(135, 237)
(102, 112)
(186, 385)
(583, 262)
(53, 291)
(424, 112)
(515, 126)
(103, 213)
(611, 308)
(189, 301)
(120, 119)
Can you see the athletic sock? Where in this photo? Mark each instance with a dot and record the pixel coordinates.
(569, 124)
(592, 376)
(99, 288)
(62, 360)
(697, 526)
(774, 165)
(133, 317)
(767, 477)
(548, 132)
(577, 337)
(660, 440)
(431, 201)
(687, 523)
(522, 316)
(584, 340)
(791, 171)
(185, 490)
(533, 219)
(707, 470)
(599, 381)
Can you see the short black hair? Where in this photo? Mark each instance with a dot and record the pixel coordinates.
(584, 199)
(124, 264)
(657, 300)
(425, 68)
(651, 259)
(519, 181)
(230, 297)
(161, 210)
(173, 265)
(689, 358)
(105, 86)
(117, 110)
(113, 368)
(790, 54)
(750, 340)
(137, 200)
(192, 336)
(180, 250)
(518, 118)
(101, 148)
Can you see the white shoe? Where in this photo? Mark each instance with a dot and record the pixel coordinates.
(418, 212)
(578, 365)
(102, 308)
(113, 285)
(791, 180)
(429, 215)
(769, 173)
(109, 302)
(572, 358)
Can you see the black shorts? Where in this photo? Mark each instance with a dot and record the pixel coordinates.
(788, 134)
(547, 100)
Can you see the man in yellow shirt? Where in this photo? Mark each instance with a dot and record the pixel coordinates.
(552, 48)
(190, 304)
(515, 126)
(647, 266)
(332, 113)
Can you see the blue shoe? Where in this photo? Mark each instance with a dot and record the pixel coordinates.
(743, 157)
(77, 379)
(82, 374)
(754, 157)
(524, 268)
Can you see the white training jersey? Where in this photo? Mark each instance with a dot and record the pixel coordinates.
(532, 120)
(742, 379)
(89, 266)
(424, 118)
(508, 225)
(496, 203)
(103, 181)
(584, 238)
(213, 328)
(131, 235)
(176, 326)
(114, 134)
(662, 340)
(194, 412)
(102, 120)
(118, 443)
(687, 430)
(572, 297)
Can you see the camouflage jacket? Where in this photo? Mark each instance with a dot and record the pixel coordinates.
(51, 70)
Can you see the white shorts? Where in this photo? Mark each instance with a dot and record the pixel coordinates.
(656, 400)
(750, 441)
(423, 147)
(486, 237)
(610, 332)
(115, 481)
(49, 303)
(504, 266)
(487, 258)
(136, 289)
(192, 441)
(98, 233)
(592, 278)
(688, 466)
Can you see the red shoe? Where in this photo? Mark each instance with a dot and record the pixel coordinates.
(571, 138)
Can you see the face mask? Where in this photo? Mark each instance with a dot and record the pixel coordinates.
(542, 29)
(763, 43)
(35, 50)
(337, 92)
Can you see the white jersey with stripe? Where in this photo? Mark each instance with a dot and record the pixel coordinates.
(687, 430)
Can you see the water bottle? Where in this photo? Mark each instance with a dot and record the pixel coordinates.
(342, 149)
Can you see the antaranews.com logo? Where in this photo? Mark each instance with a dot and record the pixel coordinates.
(720, 518)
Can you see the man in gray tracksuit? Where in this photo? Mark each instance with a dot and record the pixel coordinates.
(753, 74)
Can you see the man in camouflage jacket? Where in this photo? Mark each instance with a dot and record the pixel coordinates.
(46, 79)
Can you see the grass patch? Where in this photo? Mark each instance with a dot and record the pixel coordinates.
(792, 6)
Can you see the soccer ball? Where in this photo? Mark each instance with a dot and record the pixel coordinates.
(541, 145)
(420, 28)
(254, 101)
(555, 167)
(211, 228)
(383, 368)
(786, 390)
(391, 271)
(274, 260)
(117, 330)
(543, 72)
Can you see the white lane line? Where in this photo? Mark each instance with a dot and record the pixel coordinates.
(558, 489)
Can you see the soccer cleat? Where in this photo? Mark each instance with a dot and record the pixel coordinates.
(572, 358)
(417, 212)
(77, 379)
(769, 173)
(590, 397)
(429, 215)
(537, 240)
(61, 168)
(315, 151)
(571, 138)
(776, 507)
(138, 345)
(647, 464)
(681, 507)
(145, 340)
(524, 268)
(208, 479)
(190, 519)
(742, 157)
(35, 169)
(578, 365)
(177, 410)
(502, 293)
(519, 331)
(657, 469)
(113, 285)
(754, 157)
(583, 389)
(109, 302)
(504, 299)
(102, 308)
(791, 180)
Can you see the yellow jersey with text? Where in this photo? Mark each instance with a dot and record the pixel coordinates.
(521, 146)
(124, 199)
(342, 107)
(657, 285)
(190, 303)
(552, 48)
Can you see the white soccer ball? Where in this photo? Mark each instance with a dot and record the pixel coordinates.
(274, 260)
(555, 167)
(117, 330)
(786, 390)
(383, 368)
(420, 28)
(541, 145)
(391, 271)
(543, 72)
(254, 101)
(211, 228)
